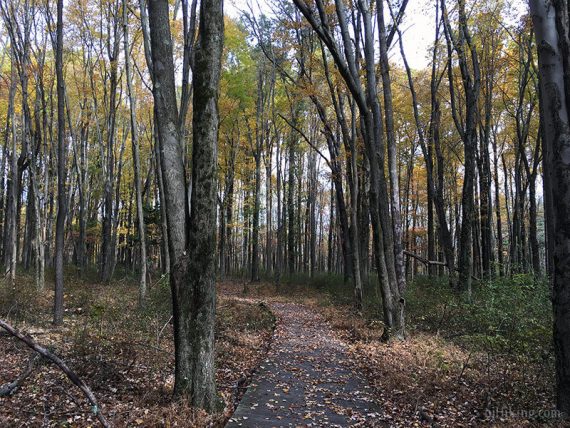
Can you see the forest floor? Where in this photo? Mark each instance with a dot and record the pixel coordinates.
(428, 380)
(123, 353)
(323, 365)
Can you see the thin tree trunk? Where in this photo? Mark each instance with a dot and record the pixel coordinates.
(467, 127)
(11, 191)
(136, 161)
(291, 235)
(61, 157)
(500, 257)
(108, 242)
(391, 143)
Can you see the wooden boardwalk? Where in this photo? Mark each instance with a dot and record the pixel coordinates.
(305, 380)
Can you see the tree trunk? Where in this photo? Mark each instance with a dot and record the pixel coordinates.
(391, 143)
(466, 125)
(553, 55)
(255, 225)
(191, 235)
(165, 250)
(500, 256)
(136, 161)
(10, 216)
(61, 153)
(108, 244)
(202, 233)
(291, 229)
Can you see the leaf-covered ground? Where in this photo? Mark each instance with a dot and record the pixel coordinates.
(432, 381)
(326, 365)
(124, 354)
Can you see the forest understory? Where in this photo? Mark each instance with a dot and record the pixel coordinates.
(123, 353)
(445, 374)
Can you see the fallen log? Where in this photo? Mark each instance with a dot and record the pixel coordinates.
(424, 260)
(432, 262)
(61, 364)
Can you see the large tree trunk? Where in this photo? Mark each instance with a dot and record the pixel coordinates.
(553, 54)
(174, 176)
(202, 233)
(191, 235)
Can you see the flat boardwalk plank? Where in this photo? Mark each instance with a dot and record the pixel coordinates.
(305, 380)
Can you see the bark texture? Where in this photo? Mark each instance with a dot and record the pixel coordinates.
(61, 197)
(192, 240)
(550, 21)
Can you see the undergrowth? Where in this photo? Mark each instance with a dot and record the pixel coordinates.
(508, 315)
(123, 352)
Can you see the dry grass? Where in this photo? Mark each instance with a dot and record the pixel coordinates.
(429, 381)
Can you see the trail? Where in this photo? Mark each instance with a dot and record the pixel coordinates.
(305, 379)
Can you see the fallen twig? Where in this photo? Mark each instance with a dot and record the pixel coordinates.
(424, 260)
(162, 330)
(465, 364)
(61, 364)
(11, 387)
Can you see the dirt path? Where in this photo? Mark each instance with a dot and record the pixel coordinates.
(305, 380)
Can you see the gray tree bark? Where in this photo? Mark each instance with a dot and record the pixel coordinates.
(191, 235)
(108, 244)
(136, 159)
(61, 156)
(466, 125)
(550, 19)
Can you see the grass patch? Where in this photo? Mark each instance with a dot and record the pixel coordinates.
(506, 316)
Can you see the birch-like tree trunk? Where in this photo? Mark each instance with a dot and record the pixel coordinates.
(136, 158)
